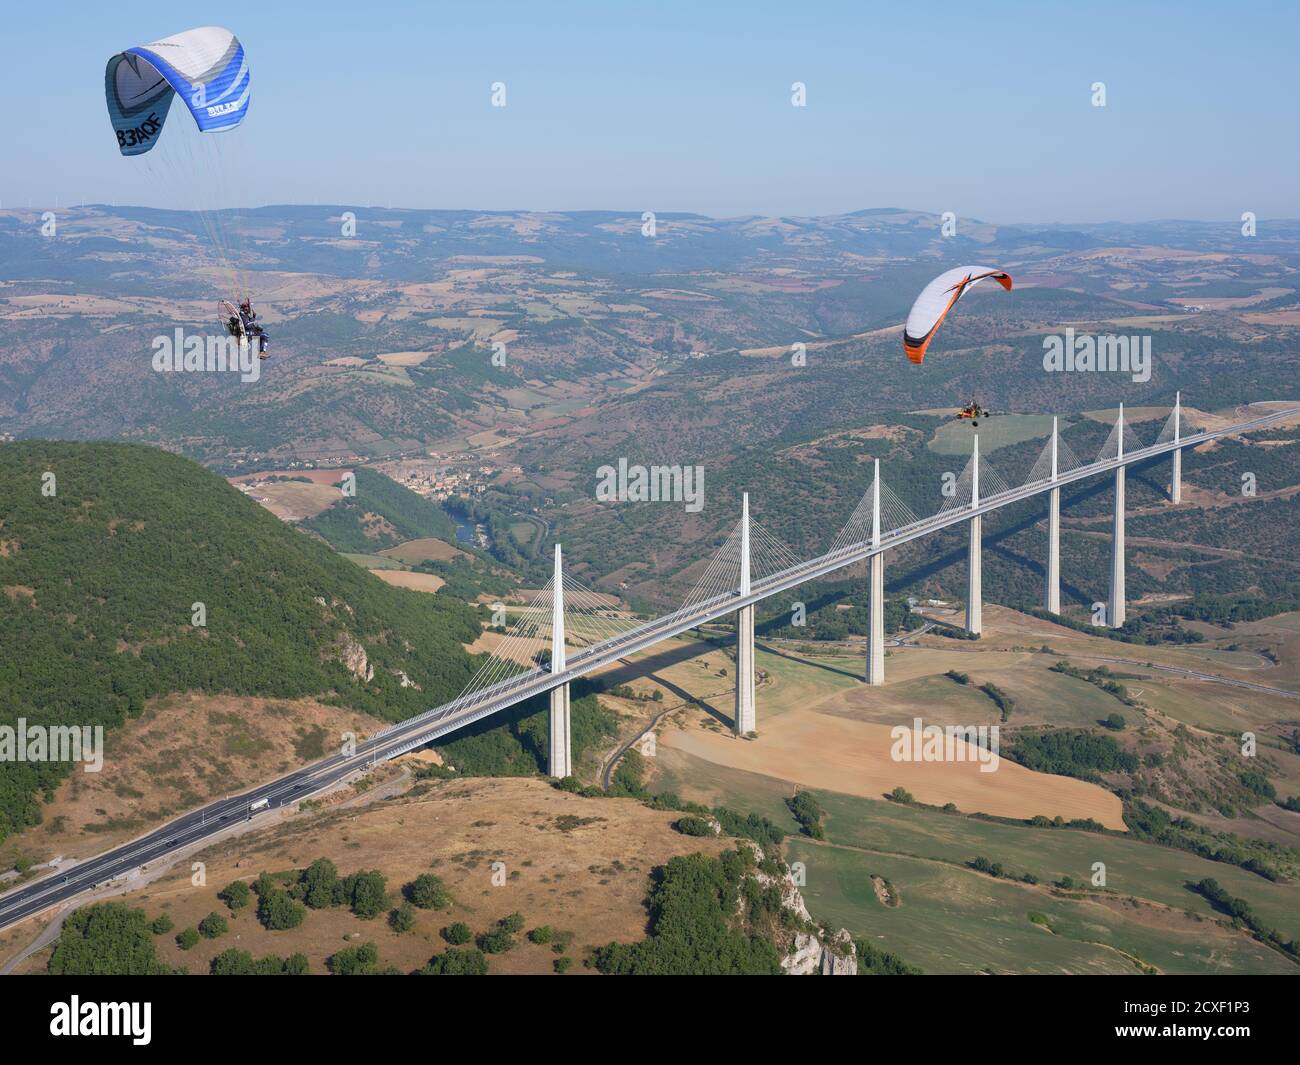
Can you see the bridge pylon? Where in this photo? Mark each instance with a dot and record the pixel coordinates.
(1116, 607)
(560, 762)
(1176, 476)
(746, 719)
(974, 581)
(1052, 576)
(875, 671)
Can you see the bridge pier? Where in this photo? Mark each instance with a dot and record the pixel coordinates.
(746, 718)
(1176, 478)
(876, 623)
(875, 673)
(974, 579)
(1116, 609)
(1052, 582)
(560, 761)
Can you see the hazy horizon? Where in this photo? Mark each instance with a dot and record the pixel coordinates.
(661, 215)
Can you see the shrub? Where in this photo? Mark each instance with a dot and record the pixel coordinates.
(240, 963)
(213, 925)
(188, 939)
(457, 933)
(161, 925)
(427, 892)
(367, 893)
(235, 895)
(808, 812)
(278, 911)
(320, 885)
(497, 941)
(457, 963)
(355, 961)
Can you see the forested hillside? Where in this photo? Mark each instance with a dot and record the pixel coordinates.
(127, 573)
(382, 514)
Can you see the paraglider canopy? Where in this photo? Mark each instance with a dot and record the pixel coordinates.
(206, 67)
(200, 166)
(937, 299)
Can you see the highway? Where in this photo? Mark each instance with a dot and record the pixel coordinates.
(208, 821)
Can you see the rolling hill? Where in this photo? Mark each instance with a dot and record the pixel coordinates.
(128, 573)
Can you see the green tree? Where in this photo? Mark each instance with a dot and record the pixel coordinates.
(213, 925)
(402, 919)
(320, 884)
(278, 911)
(355, 961)
(457, 963)
(367, 892)
(106, 939)
(427, 892)
(232, 962)
(235, 895)
(693, 903)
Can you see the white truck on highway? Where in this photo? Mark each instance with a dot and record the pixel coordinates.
(261, 804)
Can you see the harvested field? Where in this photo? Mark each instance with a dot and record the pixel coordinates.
(853, 757)
(419, 582)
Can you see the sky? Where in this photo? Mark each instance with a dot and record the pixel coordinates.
(982, 109)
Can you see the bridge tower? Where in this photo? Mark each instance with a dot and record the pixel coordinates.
(1176, 479)
(974, 583)
(560, 763)
(746, 719)
(876, 603)
(1052, 584)
(1115, 610)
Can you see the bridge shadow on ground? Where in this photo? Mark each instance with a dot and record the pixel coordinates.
(779, 653)
(674, 654)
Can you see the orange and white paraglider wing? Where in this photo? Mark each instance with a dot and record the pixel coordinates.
(937, 299)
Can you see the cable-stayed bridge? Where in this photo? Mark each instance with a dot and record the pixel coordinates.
(567, 630)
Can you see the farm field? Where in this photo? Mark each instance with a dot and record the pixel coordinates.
(812, 749)
(1133, 867)
(955, 920)
(417, 582)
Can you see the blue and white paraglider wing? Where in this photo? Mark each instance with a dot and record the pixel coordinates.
(206, 67)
